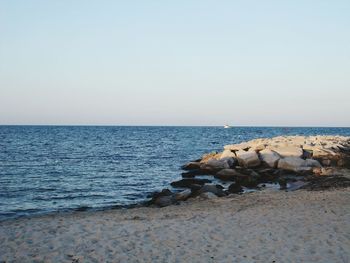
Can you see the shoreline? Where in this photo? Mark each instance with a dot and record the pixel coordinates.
(261, 226)
(54, 197)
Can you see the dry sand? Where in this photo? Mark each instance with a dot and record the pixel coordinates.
(267, 226)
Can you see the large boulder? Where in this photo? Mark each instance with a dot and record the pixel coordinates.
(288, 151)
(297, 164)
(189, 181)
(227, 174)
(270, 158)
(248, 159)
(214, 164)
(319, 152)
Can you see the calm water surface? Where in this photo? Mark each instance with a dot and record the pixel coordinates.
(58, 168)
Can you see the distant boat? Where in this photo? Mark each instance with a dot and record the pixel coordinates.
(227, 126)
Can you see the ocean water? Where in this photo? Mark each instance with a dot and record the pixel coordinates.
(46, 169)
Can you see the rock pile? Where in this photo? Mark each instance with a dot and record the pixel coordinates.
(266, 160)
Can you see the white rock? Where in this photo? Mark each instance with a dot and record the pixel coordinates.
(227, 174)
(288, 151)
(248, 159)
(295, 164)
(217, 164)
(269, 157)
(227, 153)
(319, 151)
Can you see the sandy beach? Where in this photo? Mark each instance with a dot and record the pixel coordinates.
(266, 226)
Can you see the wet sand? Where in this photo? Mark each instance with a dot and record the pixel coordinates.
(266, 226)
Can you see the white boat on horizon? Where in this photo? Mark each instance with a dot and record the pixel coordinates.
(227, 126)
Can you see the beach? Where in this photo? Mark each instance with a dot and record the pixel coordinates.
(174, 131)
(263, 226)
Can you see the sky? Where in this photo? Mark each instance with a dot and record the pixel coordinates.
(183, 62)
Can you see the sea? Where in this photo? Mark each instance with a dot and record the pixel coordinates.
(54, 169)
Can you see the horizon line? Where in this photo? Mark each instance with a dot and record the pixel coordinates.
(170, 125)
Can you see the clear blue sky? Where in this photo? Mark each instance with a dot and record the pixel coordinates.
(175, 62)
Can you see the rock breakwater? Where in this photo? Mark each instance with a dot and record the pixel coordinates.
(297, 161)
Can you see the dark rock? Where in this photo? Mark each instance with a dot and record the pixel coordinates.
(163, 201)
(268, 175)
(266, 171)
(341, 162)
(191, 166)
(248, 181)
(220, 186)
(212, 189)
(193, 173)
(82, 208)
(188, 175)
(235, 188)
(189, 181)
(244, 171)
(283, 183)
(254, 174)
(163, 198)
(307, 154)
(164, 192)
(227, 175)
(194, 188)
(326, 162)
